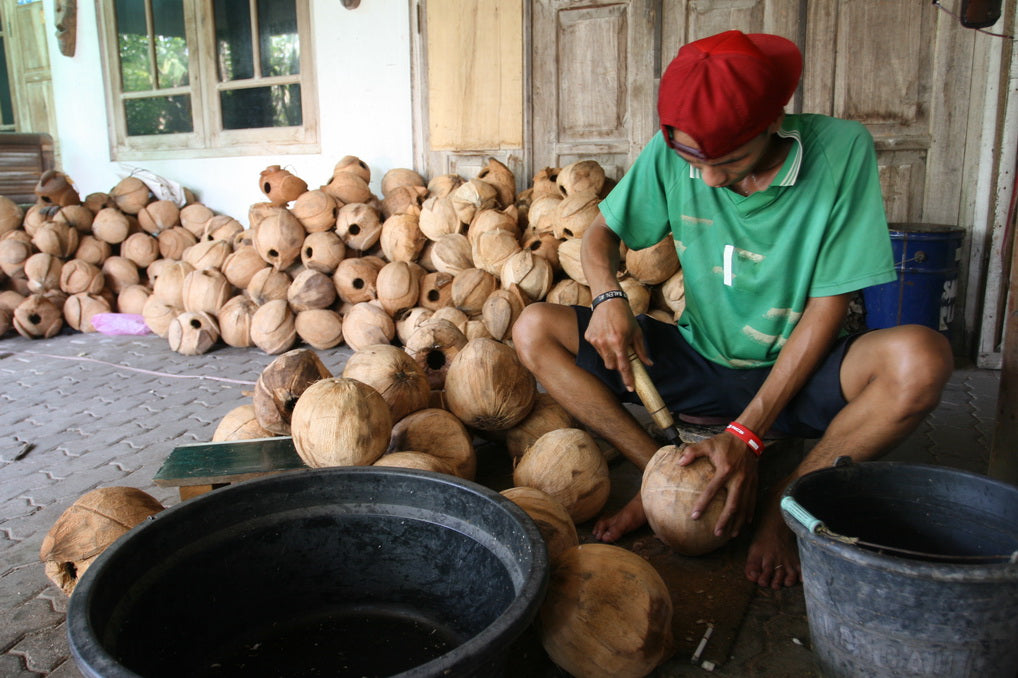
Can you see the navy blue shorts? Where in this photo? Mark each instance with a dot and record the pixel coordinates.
(692, 385)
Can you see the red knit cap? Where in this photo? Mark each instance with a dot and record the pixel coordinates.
(726, 89)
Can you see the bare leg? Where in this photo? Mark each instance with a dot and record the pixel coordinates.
(546, 340)
(891, 379)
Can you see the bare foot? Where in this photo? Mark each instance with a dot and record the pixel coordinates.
(631, 517)
(773, 558)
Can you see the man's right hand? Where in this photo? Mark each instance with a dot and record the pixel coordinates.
(614, 333)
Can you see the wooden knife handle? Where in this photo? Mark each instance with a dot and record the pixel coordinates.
(649, 395)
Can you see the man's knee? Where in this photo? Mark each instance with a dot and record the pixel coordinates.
(537, 329)
(918, 361)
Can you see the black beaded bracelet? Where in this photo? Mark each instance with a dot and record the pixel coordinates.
(605, 296)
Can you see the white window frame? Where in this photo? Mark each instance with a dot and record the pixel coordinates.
(208, 139)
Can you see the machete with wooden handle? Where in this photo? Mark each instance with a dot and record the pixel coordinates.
(652, 400)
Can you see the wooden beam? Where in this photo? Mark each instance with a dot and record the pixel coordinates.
(1004, 450)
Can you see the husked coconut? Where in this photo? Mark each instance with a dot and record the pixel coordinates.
(9, 300)
(322, 251)
(320, 328)
(552, 519)
(60, 240)
(56, 188)
(673, 293)
(544, 245)
(414, 460)
(241, 265)
(280, 186)
(131, 194)
(173, 242)
(439, 433)
(79, 309)
(311, 289)
(399, 286)
(158, 216)
(281, 383)
(132, 299)
(38, 318)
(348, 188)
(471, 197)
(546, 415)
(87, 527)
(453, 315)
(90, 249)
(97, 201)
(140, 248)
(223, 227)
(567, 464)
(6, 320)
(409, 320)
(120, 272)
(470, 289)
(401, 238)
(193, 218)
(533, 274)
(11, 215)
(582, 176)
(668, 493)
(543, 214)
(14, 252)
(158, 315)
(43, 272)
(169, 286)
(499, 313)
(205, 291)
(444, 184)
(493, 220)
(451, 253)
(272, 327)
(278, 238)
(359, 225)
(401, 176)
(111, 225)
(77, 217)
(394, 374)
(487, 387)
(355, 278)
(607, 613)
(78, 276)
(545, 183)
(575, 214)
(638, 294)
(569, 293)
(433, 345)
(491, 249)
(403, 200)
(502, 178)
(316, 210)
(436, 290)
(438, 218)
(192, 333)
(268, 284)
(367, 324)
(354, 165)
(569, 258)
(655, 264)
(235, 321)
(476, 329)
(340, 422)
(239, 423)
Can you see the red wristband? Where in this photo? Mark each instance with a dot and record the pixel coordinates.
(746, 436)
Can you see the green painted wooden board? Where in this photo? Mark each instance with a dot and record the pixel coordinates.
(227, 462)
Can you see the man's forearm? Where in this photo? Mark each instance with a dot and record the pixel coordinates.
(599, 254)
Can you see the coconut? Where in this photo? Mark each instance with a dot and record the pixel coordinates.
(240, 423)
(637, 293)
(401, 238)
(582, 176)
(543, 213)
(473, 196)
(158, 216)
(316, 210)
(672, 293)
(43, 272)
(235, 321)
(37, 215)
(267, 285)
(14, 252)
(438, 218)
(532, 273)
(272, 327)
(9, 300)
(401, 177)
(414, 460)
(453, 315)
(567, 464)
(279, 237)
(158, 315)
(280, 185)
(491, 249)
(38, 318)
(111, 225)
(90, 249)
(131, 194)
(281, 383)
(79, 308)
(6, 320)
(120, 272)
(192, 333)
(487, 387)
(322, 251)
(340, 422)
(193, 217)
(433, 346)
(444, 184)
(655, 264)
(367, 324)
(355, 279)
(205, 291)
(451, 253)
(569, 293)
(354, 165)
(409, 320)
(569, 258)
(11, 215)
(502, 178)
(77, 217)
(169, 286)
(470, 289)
(173, 242)
(321, 328)
(87, 527)
(493, 220)
(403, 200)
(97, 201)
(668, 493)
(439, 433)
(545, 183)
(60, 240)
(56, 188)
(436, 290)
(394, 374)
(545, 416)
(140, 248)
(78, 276)
(544, 245)
(399, 286)
(552, 519)
(310, 289)
(222, 227)
(241, 265)
(359, 226)
(575, 214)
(348, 187)
(132, 298)
(607, 613)
(499, 313)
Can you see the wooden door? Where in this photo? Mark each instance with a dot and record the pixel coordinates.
(29, 66)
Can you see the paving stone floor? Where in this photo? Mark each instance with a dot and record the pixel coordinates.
(81, 411)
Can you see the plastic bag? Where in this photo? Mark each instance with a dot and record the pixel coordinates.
(120, 323)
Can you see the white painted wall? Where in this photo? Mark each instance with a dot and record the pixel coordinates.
(363, 62)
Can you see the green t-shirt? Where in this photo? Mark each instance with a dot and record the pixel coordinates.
(751, 263)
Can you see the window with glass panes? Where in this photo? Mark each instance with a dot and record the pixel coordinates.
(209, 77)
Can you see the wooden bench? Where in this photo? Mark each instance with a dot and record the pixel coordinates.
(197, 468)
(23, 159)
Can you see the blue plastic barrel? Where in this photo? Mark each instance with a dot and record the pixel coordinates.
(926, 258)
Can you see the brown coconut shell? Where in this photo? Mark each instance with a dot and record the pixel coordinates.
(433, 346)
(140, 248)
(267, 285)
(444, 184)
(354, 165)
(582, 176)
(38, 318)
(452, 315)
(545, 183)
(401, 238)
(239, 423)
(193, 218)
(97, 201)
(320, 328)
(367, 324)
(205, 291)
(56, 188)
(37, 215)
(322, 251)
(394, 374)
(568, 292)
(543, 213)
(348, 187)
(310, 289)
(11, 215)
(235, 321)
(58, 239)
(668, 493)
(436, 290)
(359, 225)
(111, 225)
(403, 200)
(672, 293)
(545, 416)
(401, 177)
(90, 249)
(399, 286)
(499, 313)
(502, 178)
(340, 422)
(120, 272)
(487, 387)
(10, 300)
(473, 196)
(316, 210)
(87, 527)
(160, 215)
(222, 227)
(471, 288)
(532, 274)
(131, 194)
(439, 433)
(77, 217)
(281, 383)
(493, 220)
(6, 321)
(79, 308)
(452, 253)
(638, 294)
(569, 258)
(575, 214)
(607, 613)
(409, 320)
(132, 298)
(491, 249)
(280, 185)
(279, 237)
(174, 241)
(567, 464)
(241, 265)
(476, 329)
(169, 286)
(192, 333)
(272, 327)
(78, 276)
(355, 279)
(14, 252)
(655, 264)
(158, 315)
(438, 218)
(414, 460)
(552, 519)
(42, 271)
(544, 245)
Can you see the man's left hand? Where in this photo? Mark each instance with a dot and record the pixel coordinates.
(735, 468)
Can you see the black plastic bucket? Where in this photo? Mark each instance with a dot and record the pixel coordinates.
(953, 613)
(354, 571)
